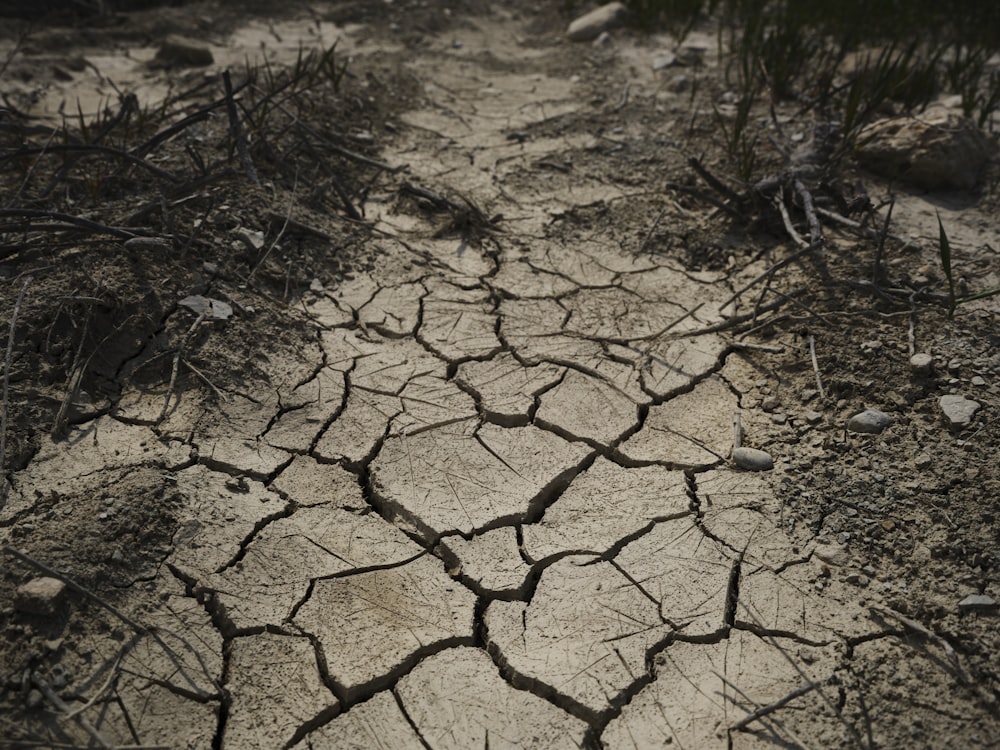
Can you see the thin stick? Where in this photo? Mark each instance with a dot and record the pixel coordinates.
(815, 364)
(176, 366)
(737, 430)
(772, 707)
(707, 198)
(742, 693)
(59, 703)
(236, 132)
(780, 264)
(6, 390)
(716, 184)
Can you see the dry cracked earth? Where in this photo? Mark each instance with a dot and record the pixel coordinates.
(480, 493)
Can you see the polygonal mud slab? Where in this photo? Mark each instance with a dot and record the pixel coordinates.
(314, 404)
(373, 626)
(376, 724)
(326, 310)
(615, 313)
(505, 389)
(307, 482)
(694, 429)
(221, 512)
(519, 277)
(380, 365)
(394, 311)
(275, 689)
(685, 289)
(458, 324)
(489, 562)
(581, 407)
(455, 260)
(687, 573)
(463, 477)
(357, 431)
(689, 704)
(605, 505)
(457, 700)
(429, 401)
(586, 262)
(670, 366)
(584, 636)
(740, 508)
(275, 572)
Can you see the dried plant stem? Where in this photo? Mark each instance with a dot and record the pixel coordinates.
(815, 364)
(236, 131)
(6, 391)
(59, 703)
(177, 363)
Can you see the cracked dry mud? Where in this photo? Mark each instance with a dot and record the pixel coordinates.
(482, 496)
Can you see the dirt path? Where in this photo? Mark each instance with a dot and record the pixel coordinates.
(481, 494)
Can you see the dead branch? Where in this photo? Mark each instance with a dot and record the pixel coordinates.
(708, 199)
(74, 221)
(815, 230)
(59, 703)
(880, 248)
(85, 148)
(6, 391)
(714, 182)
(786, 219)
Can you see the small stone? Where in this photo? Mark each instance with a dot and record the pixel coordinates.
(813, 417)
(858, 579)
(977, 603)
(179, 50)
(832, 554)
(809, 394)
(39, 596)
(958, 410)
(923, 460)
(977, 380)
(752, 459)
(870, 421)
(664, 60)
(770, 403)
(253, 239)
(34, 699)
(590, 25)
(921, 363)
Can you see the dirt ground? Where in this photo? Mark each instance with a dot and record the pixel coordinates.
(403, 415)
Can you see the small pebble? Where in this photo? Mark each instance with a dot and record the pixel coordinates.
(832, 554)
(870, 421)
(39, 596)
(813, 417)
(921, 363)
(752, 459)
(978, 380)
(977, 603)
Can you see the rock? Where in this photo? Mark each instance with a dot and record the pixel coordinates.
(590, 25)
(813, 417)
(752, 459)
(870, 422)
(39, 596)
(921, 363)
(832, 554)
(958, 410)
(179, 50)
(977, 603)
(935, 151)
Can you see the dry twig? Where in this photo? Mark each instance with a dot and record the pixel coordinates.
(6, 391)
